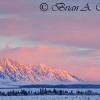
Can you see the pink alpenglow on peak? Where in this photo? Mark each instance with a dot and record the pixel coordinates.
(16, 72)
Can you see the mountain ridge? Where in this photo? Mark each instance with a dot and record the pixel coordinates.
(14, 71)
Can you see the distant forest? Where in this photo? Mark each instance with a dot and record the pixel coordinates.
(44, 91)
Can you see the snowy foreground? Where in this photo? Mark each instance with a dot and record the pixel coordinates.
(50, 98)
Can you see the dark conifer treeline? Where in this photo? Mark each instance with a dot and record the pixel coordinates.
(46, 92)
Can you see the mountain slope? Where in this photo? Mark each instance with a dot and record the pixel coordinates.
(14, 71)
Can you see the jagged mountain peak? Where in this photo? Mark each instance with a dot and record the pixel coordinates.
(12, 70)
(6, 60)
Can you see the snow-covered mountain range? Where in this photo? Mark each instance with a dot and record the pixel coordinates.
(16, 72)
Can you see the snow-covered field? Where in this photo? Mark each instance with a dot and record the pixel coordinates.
(50, 98)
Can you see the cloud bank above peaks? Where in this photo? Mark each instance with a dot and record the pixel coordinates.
(23, 19)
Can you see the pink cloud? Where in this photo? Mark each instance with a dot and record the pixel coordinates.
(53, 31)
(37, 54)
(88, 73)
(28, 22)
(97, 53)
